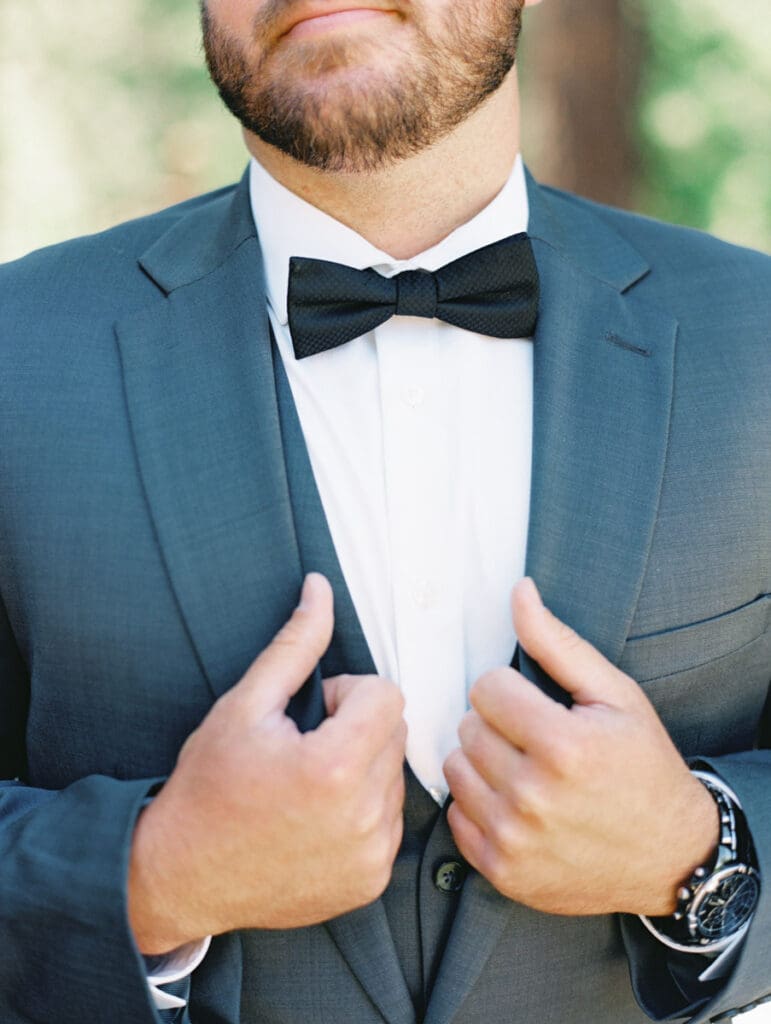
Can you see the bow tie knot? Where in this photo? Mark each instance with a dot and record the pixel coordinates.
(493, 291)
(416, 294)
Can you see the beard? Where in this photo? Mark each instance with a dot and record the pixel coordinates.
(353, 104)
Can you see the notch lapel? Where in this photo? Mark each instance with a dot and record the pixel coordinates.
(348, 652)
(603, 383)
(201, 399)
(603, 367)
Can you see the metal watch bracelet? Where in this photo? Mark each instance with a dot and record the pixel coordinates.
(707, 882)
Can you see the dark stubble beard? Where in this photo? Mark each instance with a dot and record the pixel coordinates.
(299, 98)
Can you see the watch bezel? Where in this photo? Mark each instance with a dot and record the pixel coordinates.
(707, 889)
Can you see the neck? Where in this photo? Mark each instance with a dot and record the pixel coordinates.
(409, 207)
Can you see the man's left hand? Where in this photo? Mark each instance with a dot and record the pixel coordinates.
(581, 810)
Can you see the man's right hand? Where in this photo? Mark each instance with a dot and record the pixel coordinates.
(260, 826)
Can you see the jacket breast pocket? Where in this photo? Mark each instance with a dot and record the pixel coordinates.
(672, 651)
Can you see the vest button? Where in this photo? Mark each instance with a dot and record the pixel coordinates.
(450, 876)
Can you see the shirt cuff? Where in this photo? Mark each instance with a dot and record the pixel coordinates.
(723, 964)
(171, 967)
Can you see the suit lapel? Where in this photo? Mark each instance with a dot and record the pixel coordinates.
(603, 365)
(199, 388)
(348, 651)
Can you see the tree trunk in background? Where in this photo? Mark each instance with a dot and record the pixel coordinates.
(580, 65)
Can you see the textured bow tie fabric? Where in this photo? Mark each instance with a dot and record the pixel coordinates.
(493, 291)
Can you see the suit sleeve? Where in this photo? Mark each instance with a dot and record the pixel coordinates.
(66, 949)
(666, 983)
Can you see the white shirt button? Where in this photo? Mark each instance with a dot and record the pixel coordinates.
(424, 594)
(413, 396)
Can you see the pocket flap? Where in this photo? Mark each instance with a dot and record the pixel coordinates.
(675, 650)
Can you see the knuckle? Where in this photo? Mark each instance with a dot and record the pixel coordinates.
(566, 636)
(452, 764)
(504, 835)
(399, 793)
(492, 865)
(467, 727)
(473, 740)
(290, 634)
(489, 685)
(380, 882)
(378, 863)
(373, 684)
(397, 834)
(395, 742)
(375, 691)
(337, 773)
(483, 685)
(567, 755)
(532, 801)
(401, 736)
(345, 683)
(329, 769)
(392, 804)
(366, 823)
(391, 699)
(191, 746)
(233, 706)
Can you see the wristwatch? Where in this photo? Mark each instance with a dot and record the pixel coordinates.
(716, 904)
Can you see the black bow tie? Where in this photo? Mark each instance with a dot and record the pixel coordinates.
(493, 291)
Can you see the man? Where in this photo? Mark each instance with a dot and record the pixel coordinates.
(207, 413)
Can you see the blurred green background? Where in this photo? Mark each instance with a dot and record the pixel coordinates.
(659, 105)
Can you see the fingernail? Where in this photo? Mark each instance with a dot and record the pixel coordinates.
(528, 584)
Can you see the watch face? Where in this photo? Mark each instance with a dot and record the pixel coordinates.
(728, 903)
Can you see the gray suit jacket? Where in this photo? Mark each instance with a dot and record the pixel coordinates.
(157, 513)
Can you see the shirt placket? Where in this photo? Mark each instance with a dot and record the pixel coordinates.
(420, 429)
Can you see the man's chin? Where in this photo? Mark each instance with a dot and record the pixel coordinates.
(336, 77)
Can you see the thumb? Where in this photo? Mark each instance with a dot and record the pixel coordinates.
(283, 666)
(570, 660)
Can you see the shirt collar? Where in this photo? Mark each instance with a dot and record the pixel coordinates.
(289, 226)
